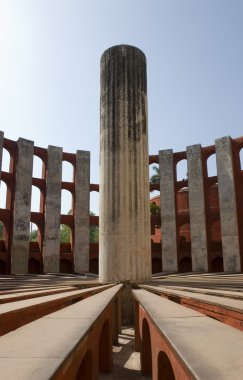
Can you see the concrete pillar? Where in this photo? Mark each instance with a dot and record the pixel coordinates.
(227, 204)
(81, 212)
(125, 252)
(197, 209)
(51, 248)
(22, 207)
(1, 151)
(168, 211)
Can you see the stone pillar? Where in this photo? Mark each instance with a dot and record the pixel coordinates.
(168, 211)
(197, 209)
(51, 248)
(125, 252)
(227, 204)
(22, 207)
(81, 212)
(1, 151)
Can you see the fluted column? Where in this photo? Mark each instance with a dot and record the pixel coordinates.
(125, 253)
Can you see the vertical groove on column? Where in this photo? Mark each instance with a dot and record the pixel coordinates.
(125, 253)
(22, 207)
(81, 212)
(168, 211)
(1, 151)
(197, 209)
(51, 248)
(227, 204)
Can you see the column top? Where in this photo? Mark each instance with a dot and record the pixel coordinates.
(123, 50)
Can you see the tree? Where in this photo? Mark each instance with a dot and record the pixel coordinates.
(154, 209)
(155, 178)
(34, 235)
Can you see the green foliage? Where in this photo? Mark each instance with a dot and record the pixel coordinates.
(154, 209)
(94, 234)
(65, 234)
(155, 178)
(33, 235)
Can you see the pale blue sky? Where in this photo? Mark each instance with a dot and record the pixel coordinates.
(49, 69)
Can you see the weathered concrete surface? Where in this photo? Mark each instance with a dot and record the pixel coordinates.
(125, 248)
(197, 209)
(1, 150)
(22, 206)
(168, 211)
(54, 342)
(227, 204)
(51, 249)
(207, 348)
(81, 212)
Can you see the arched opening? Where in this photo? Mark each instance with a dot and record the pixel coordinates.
(3, 194)
(185, 238)
(65, 234)
(181, 170)
(217, 264)
(67, 171)
(94, 202)
(185, 265)
(165, 370)
(146, 351)
(156, 265)
(212, 166)
(94, 266)
(3, 267)
(34, 266)
(35, 199)
(105, 348)
(34, 233)
(85, 371)
(66, 202)
(66, 266)
(37, 167)
(154, 173)
(6, 161)
(34, 238)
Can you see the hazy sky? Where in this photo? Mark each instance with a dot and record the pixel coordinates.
(49, 69)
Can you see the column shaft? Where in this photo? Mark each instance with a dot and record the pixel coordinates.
(81, 212)
(22, 207)
(125, 252)
(51, 248)
(197, 209)
(227, 204)
(168, 211)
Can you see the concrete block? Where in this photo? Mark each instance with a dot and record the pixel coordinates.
(51, 249)
(197, 209)
(81, 212)
(168, 211)
(22, 207)
(228, 206)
